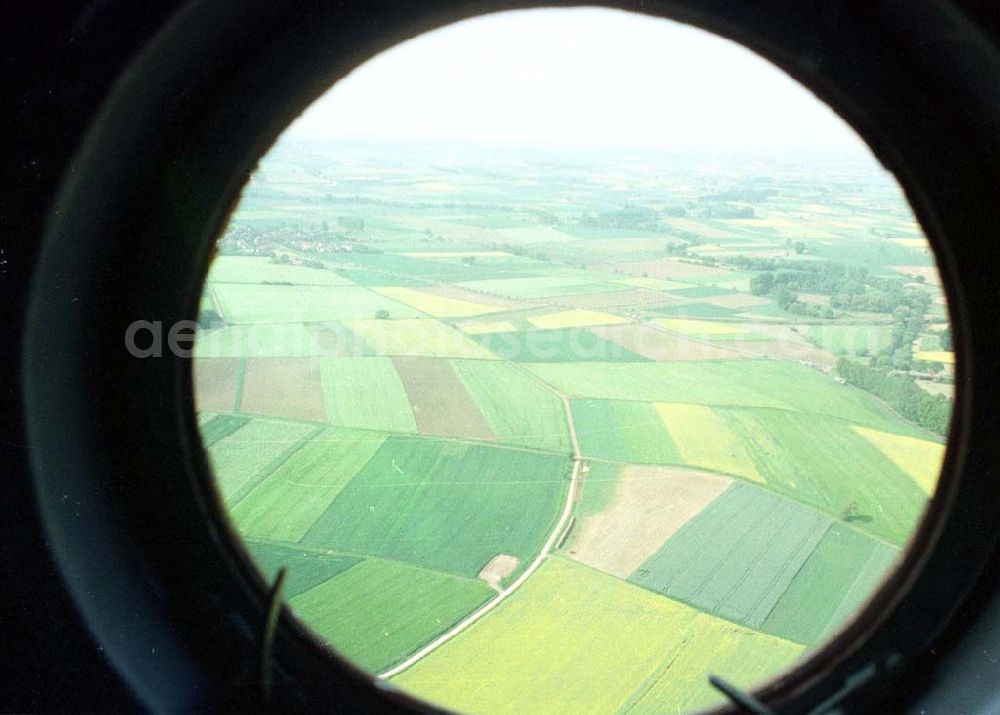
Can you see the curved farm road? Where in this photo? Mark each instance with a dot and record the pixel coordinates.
(503, 595)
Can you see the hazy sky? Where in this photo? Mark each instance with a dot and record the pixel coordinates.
(577, 77)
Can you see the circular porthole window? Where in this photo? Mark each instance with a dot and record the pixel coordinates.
(564, 382)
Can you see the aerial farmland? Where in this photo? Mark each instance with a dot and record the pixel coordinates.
(545, 433)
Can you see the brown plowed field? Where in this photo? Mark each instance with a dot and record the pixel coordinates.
(215, 384)
(672, 269)
(283, 387)
(441, 405)
(649, 506)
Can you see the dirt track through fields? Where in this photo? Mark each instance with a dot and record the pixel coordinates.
(550, 542)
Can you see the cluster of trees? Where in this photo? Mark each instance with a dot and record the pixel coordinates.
(545, 217)
(932, 412)
(676, 248)
(353, 223)
(631, 216)
(849, 287)
(906, 327)
(518, 249)
(284, 260)
(728, 211)
(745, 193)
(773, 284)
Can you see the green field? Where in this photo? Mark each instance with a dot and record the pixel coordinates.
(427, 338)
(289, 339)
(842, 570)
(738, 557)
(695, 310)
(253, 269)
(220, 426)
(517, 407)
(294, 495)
(849, 339)
(623, 432)
(536, 287)
(378, 612)
(252, 452)
(243, 303)
(598, 644)
(823, 462)
(304, 569)
(599, 486)
(365, 392)
(736, 383)
(445, 505)
(565, 345)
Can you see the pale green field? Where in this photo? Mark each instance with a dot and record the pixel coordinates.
(253, 451)
(285, 505)
(254, 269)
(244, 303)
(268, 340)
(537, 286)
(742, 382)
(425, 337)
(518, 408)
(365, 392)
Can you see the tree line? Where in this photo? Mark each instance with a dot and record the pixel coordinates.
(901, 392)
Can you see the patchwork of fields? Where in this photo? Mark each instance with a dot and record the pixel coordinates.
(593, 467)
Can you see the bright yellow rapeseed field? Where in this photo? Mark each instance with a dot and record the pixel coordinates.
(704, 440)
(436, 305)
(920, 458)
(556, 647)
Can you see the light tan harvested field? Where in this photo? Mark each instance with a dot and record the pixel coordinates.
(785, 350)
(215, 384)
(787, 344)
(938, 388)
(283, 387)
(441, 405)
(622, 246)
(650, 504)
(455, 293)
(660, 345)
(498, 568)
(928, 272)
(666, 268)
(623, 298)
(736, 300)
